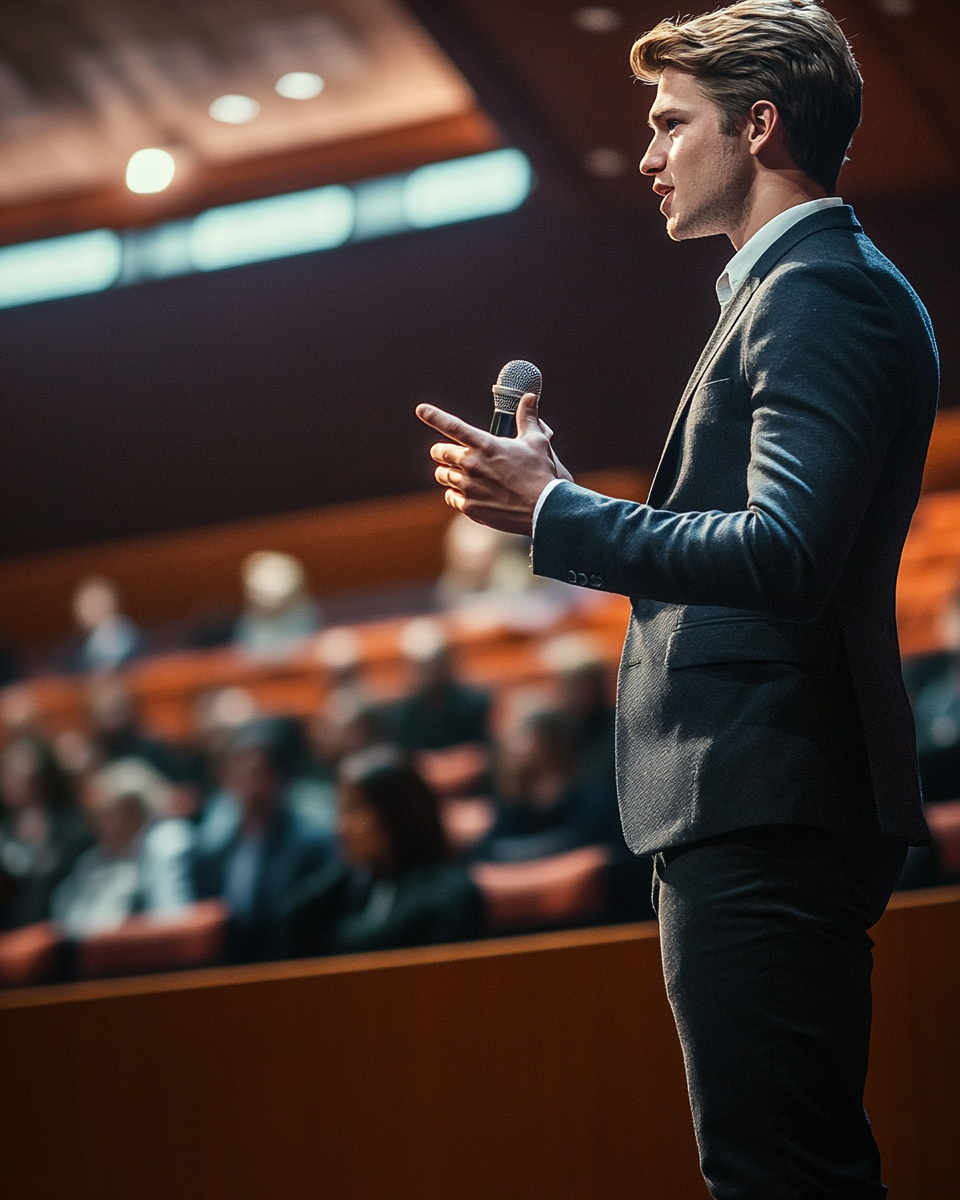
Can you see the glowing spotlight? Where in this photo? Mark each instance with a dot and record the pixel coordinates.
(299, 85)
(234, 110)
(150, 170)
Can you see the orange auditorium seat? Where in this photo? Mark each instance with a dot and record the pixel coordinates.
(944, 822)
(29, 955)
(564, 889)
(193, 938)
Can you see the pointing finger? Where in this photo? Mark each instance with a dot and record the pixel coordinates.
(460, 431)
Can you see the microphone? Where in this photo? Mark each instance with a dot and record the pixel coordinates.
(514, 380)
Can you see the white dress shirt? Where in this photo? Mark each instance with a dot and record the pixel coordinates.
(735, 272)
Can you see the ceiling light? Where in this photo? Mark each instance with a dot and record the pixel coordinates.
(597, 18)
(150, 170)
(299, 85)
(234, 110)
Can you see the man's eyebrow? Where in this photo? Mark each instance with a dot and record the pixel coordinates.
(661, 114)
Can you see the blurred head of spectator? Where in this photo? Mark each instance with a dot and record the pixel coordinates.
(252, 773)
(117, 732)
(582, 683)
(41, 830)
(487, 581)
(18, 711)
(279, 611)
(338, 652)
(217, 715)
(140, 862)
(440, 711)
(396, 885)
(388, 819)
(950, 624)
(536, 759)
(478, 560)
(346, 723)
(109, 638)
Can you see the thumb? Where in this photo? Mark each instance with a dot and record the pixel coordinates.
(528, 417)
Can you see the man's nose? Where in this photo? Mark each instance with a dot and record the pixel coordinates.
(654, 160)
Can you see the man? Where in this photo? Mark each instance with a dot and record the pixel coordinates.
(764, 740)
(255, 848)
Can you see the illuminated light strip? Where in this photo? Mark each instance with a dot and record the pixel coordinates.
(462, 189)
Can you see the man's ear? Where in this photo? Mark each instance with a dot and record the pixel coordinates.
(765, 137)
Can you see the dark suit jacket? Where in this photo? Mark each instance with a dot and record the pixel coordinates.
(292, 850)
(760, 681)
(331, 913)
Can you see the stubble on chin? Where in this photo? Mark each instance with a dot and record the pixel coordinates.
(721, 209)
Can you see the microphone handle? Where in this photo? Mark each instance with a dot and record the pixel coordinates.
(504, 424)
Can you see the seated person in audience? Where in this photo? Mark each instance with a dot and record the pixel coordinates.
(255, 860)
(546, 805)
(141, 860)
(109, 638)
(42, 831)
(936, 706)
(439, 711)
(487, 581)
(279, 610)
(116, 732)
(577, 662)
(542, 809)
(396, 885)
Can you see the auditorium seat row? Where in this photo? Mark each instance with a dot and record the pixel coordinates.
(560, 891)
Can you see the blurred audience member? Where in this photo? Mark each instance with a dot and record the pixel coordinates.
(279, 611)
(109, 638)
(577, 663)
(18, 712)
(254, 861)
(936, 704)
(116, 732)
(439, 711)
(397, 885)
(541, 808)
(338, 653)
(487, 581)
(347, 722)
(42, 832)
(140, 863)
(545, 807)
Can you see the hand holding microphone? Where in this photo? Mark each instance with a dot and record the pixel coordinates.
(496, 478)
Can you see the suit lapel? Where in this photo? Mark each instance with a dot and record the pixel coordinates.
(724, 327)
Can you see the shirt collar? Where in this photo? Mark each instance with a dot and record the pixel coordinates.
(740, 266)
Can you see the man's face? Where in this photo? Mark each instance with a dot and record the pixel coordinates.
(703, 175)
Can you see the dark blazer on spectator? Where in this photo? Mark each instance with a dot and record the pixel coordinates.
(340, 911)
(293, 848)
(760, 680)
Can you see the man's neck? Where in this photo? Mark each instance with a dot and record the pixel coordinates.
(773, 192)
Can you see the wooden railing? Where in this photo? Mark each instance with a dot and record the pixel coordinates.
(538, 1068)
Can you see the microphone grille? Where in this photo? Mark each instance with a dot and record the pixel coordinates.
(520, 375)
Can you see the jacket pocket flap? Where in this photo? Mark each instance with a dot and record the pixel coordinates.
(716, 642)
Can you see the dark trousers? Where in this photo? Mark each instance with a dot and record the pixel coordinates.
(767, 964)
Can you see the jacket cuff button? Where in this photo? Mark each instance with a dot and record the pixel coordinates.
(596, 581)
(571, 577)
(582, 579)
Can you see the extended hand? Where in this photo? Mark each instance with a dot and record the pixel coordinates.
(495, 481)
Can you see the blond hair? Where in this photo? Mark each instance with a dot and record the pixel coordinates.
(791, 52)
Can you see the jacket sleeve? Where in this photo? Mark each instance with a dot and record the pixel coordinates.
(827, 366)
